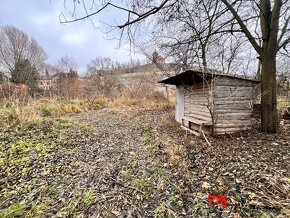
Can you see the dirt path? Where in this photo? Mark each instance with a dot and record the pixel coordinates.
(133, 162)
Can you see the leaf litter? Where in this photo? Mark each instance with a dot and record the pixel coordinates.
(135, 162)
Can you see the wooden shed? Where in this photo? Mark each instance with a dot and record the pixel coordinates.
(213, 103)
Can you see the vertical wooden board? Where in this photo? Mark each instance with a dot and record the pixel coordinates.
(179, 103)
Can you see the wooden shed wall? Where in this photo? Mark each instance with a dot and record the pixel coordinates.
(232, 100)
(196, 102)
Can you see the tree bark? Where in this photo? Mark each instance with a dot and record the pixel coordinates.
(269, 119)
(269, 26)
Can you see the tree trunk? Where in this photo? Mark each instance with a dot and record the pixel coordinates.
(269, 119)
(270, 27)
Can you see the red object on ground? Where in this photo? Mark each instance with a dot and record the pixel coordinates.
(221, 199)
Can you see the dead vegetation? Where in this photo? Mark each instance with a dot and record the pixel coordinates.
(33, 112)
(133, 161)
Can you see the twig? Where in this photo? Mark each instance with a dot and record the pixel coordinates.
(202, 132)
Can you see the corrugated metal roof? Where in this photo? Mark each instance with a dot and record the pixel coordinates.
(190, 77)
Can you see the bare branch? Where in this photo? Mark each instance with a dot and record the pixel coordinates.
(243, 27)
(129, 22)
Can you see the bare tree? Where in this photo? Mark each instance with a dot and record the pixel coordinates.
(68, 84)
(16, 46)
(66, 64)
(100, 66)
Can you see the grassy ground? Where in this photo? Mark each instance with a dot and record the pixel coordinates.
(127, 158)
(14, 114)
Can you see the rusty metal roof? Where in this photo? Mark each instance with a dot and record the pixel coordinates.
(190, 77)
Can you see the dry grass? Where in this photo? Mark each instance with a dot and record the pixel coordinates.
(177, 154)
(54, 107)
(152, 104)
(14, 113)
(170, 122)
(123, 102)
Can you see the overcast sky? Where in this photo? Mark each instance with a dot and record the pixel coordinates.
(40, 20)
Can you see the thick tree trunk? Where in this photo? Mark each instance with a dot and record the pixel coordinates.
(269, 119)
(269, 21)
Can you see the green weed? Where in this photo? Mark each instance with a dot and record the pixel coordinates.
(142, 184)
(15, 160)
(89, 197)
(22, 209)
(68, 210)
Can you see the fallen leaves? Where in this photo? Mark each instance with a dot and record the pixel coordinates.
(111, 163)
(206, 185)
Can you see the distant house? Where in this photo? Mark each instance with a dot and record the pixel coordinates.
(212, 102)
(147, 75)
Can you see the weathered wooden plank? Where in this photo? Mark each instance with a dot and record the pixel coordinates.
(245, 106)
(197, 98)
(193, 104)
(224, 102)
(205, 112)
(230, 130)
(197, 86)
(241, 93)
(234, 114)
(232, 125)
(199, 114)
(231, 118)
(237, 100)
(245, 95)
(192, 94)
(198, 117)
(199, 107)
(234, 110)
(191, 131)
(196, 89)
(197, 92)
(219, 88)
(197, 121)
(234, 82)
(192, 100)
